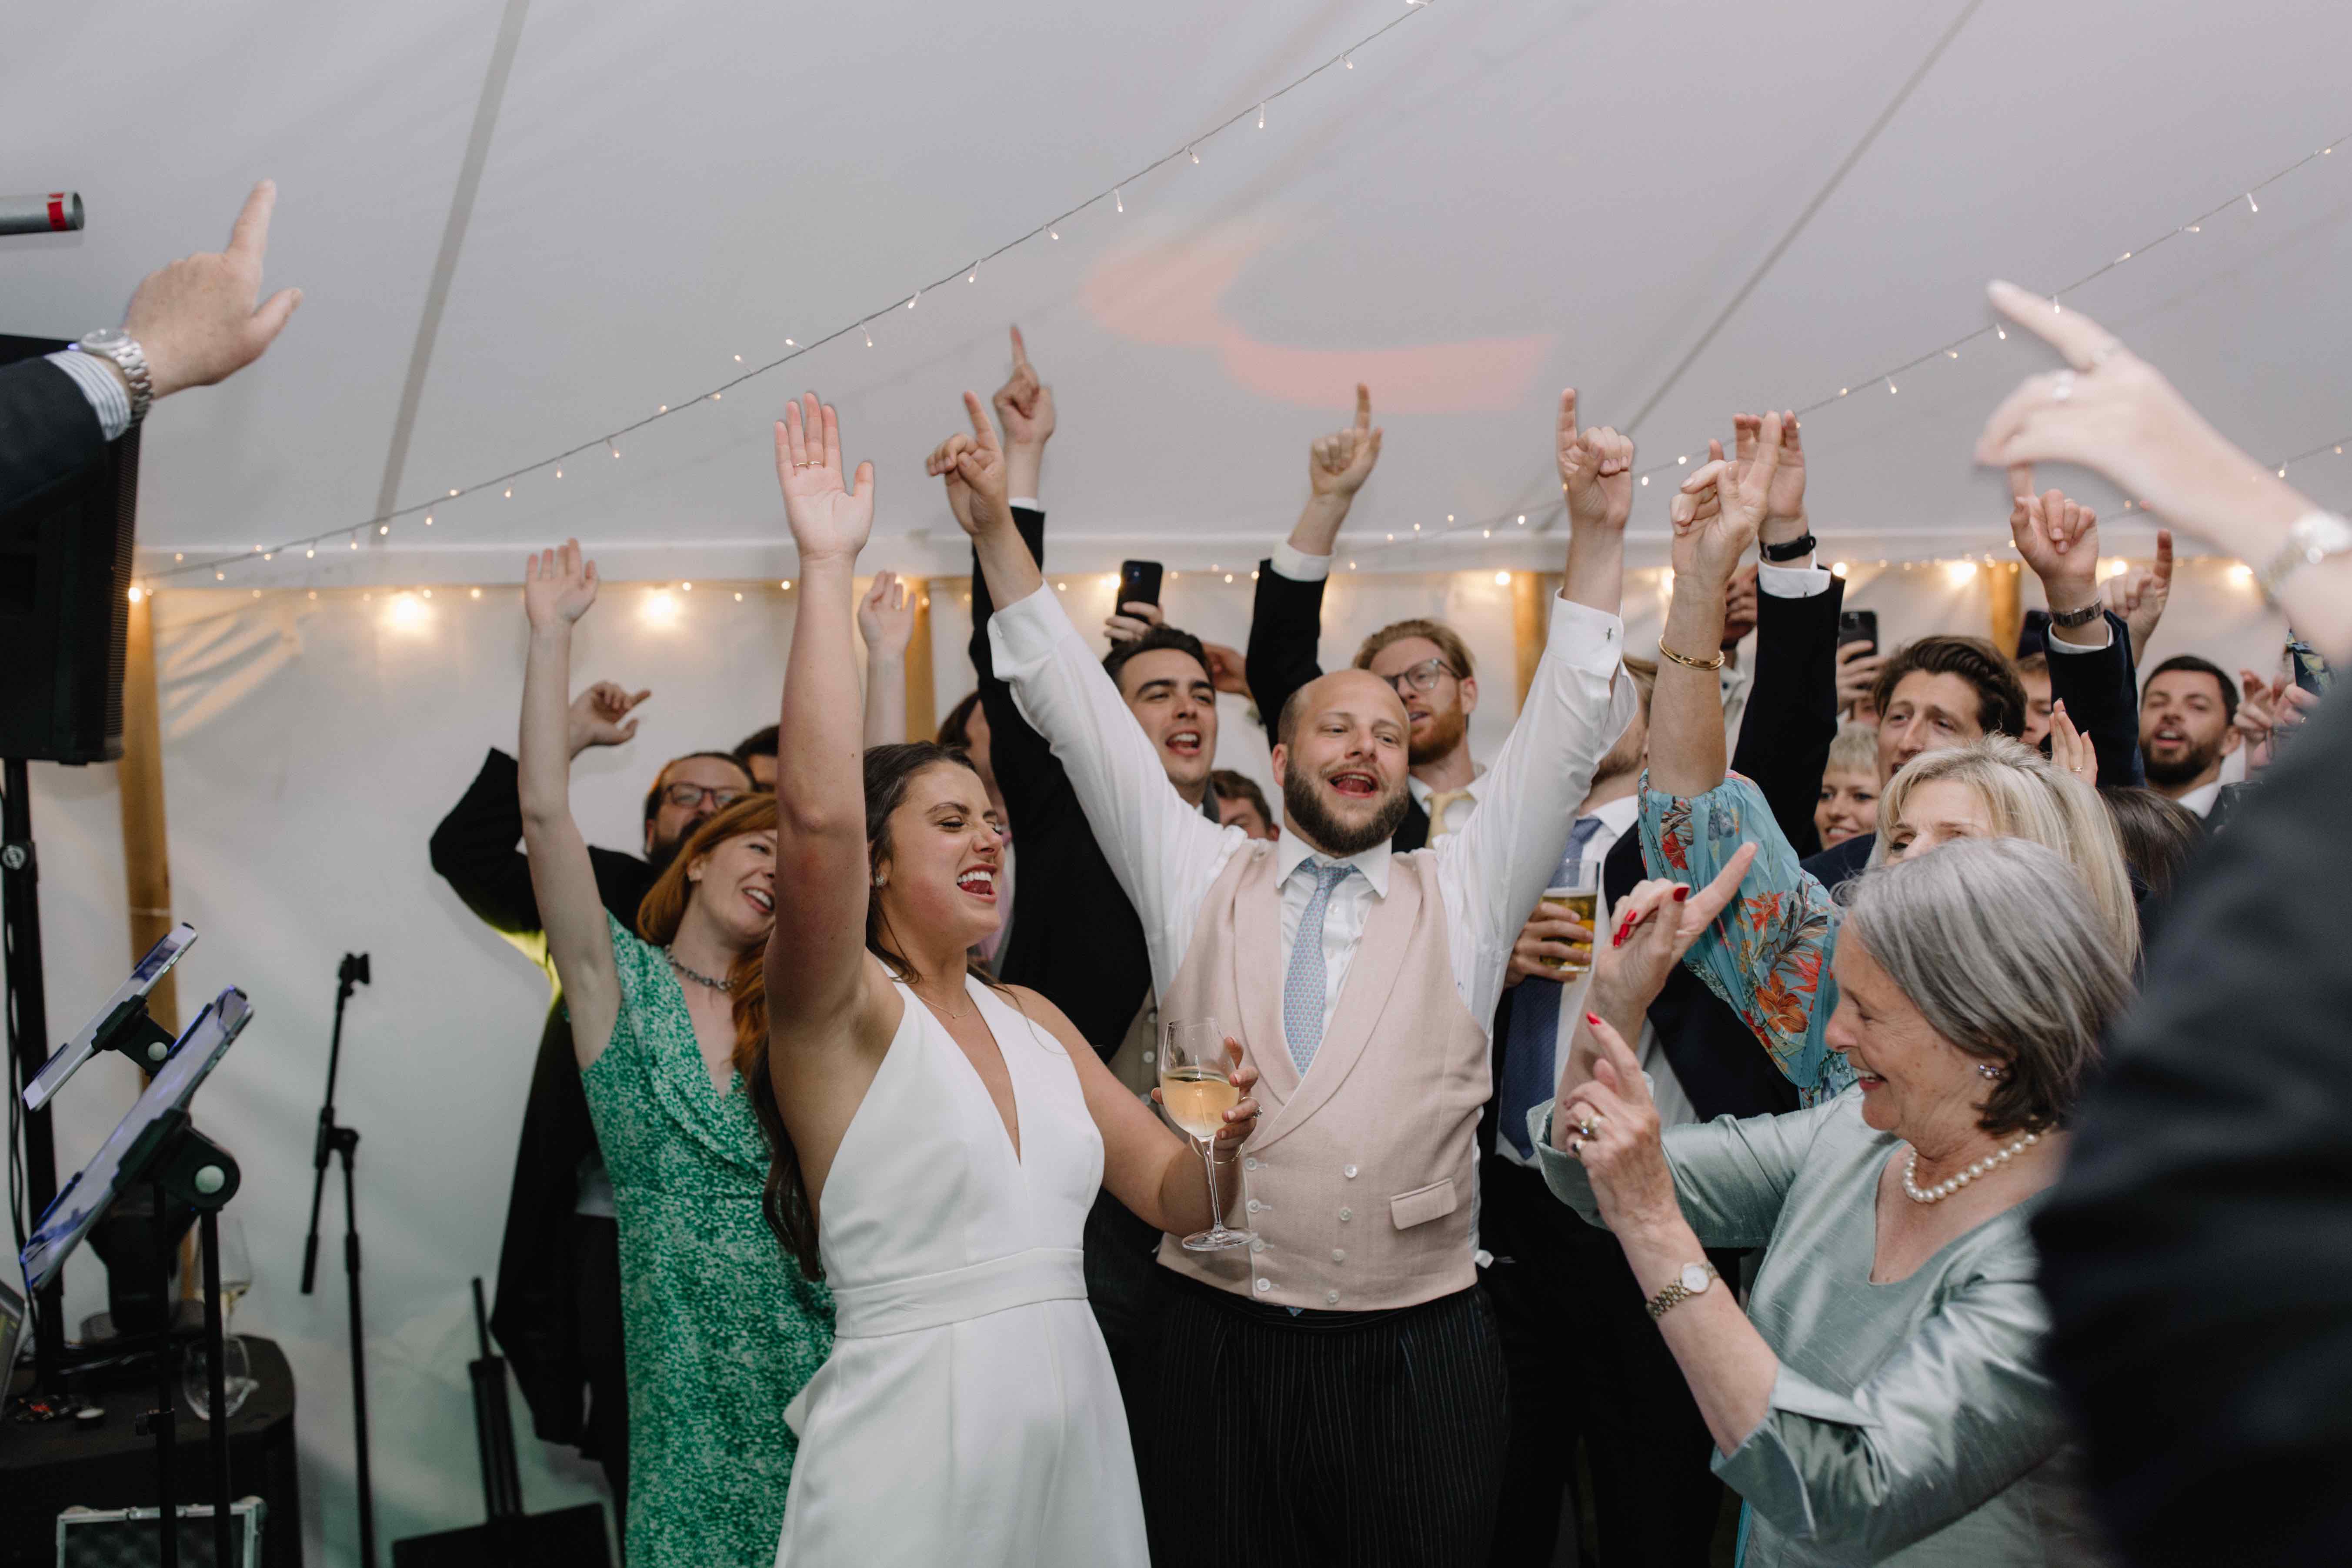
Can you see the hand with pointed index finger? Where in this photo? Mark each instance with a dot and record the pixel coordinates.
(196, 319)
(2139, 597)
(2058, 539)
(1717, 512)
(1024, 403)
(2112, 412)
(980, 464)
(1596, 470)
(1339, 464)
(1610, 1124)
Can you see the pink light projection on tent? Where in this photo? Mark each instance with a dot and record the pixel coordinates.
(1170, 297)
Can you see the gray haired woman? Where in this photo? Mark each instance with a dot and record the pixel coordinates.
(1880, 1400)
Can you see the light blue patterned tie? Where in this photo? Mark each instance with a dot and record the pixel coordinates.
(1302, 990)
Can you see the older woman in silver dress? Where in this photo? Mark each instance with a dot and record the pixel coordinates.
(1880, 1399)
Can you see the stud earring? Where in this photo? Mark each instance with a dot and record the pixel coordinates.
(1986, 1069)
(878, 880)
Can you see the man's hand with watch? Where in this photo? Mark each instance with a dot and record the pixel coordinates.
(2060, 541)
(194, 322)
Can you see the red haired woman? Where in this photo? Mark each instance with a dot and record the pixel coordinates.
(719, 1333)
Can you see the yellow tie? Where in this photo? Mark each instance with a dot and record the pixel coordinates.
(1441, 801)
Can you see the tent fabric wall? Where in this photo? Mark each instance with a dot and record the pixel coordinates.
(310, 745)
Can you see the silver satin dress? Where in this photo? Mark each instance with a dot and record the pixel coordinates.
(1911, 1423)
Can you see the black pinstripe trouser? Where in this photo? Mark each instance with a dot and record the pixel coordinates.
(1362, 1438)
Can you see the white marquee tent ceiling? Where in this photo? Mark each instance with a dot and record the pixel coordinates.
(1496, 200)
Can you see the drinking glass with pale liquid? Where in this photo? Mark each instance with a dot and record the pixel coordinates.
(1196, 1091)
(1581, 894)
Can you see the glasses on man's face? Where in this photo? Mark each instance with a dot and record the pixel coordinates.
(1422, 676)
(688, 797)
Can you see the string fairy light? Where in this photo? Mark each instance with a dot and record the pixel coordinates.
(1050, 228)
(1951, 350)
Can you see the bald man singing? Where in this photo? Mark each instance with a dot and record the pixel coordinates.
(1333, 1392)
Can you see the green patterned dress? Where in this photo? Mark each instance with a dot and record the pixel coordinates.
(720, 1329)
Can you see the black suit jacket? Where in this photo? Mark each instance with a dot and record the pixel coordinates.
(2101, 698)
(47, 430)
(1076, 939)
(2197, 1255)
(1284, 653)
(536, 1317)
(1784, 746)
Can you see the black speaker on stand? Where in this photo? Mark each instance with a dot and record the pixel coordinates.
(65, 616)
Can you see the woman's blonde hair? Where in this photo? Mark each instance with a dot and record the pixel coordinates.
(1856, 750)
(2030, 798)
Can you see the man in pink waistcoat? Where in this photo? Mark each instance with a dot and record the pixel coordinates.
(1335, 1391)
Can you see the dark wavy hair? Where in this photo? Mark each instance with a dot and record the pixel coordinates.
(784, 1201)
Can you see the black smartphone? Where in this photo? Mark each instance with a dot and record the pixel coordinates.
(2311, 672)
(1858, 625)
(1138, 581)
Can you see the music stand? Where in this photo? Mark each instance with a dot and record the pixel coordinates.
(155, 1143)
(122, 1025)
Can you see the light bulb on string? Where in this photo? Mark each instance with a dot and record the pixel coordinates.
(1053, 233)
(912, 298)
(1349, 60)
(739, 360)
(2250, 203)
(1891, 388)
(1952, 354)
(382, 528)
(2002, 333)
(869, 336)
(788, 343)
(1118, 198)
(973, 275)
(616, 451)
(558, 473)
(1196, 156)
(510, 492)
(428, 520)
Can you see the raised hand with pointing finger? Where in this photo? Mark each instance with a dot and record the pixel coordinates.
(197, 319)
(1596, 470)
(1025, 406)
(1339, 464)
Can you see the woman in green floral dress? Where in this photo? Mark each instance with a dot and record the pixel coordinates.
(721, 1332)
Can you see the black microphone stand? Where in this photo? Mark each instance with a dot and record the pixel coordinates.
(338, 1142)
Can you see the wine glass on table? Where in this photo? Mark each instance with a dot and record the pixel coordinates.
(1197, 1091)
(235, 1279)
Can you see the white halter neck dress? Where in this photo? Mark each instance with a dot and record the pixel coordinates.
(968, 1413)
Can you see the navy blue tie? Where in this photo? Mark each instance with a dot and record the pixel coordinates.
(1527, 1074)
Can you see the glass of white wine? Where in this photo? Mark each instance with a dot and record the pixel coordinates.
(235, 1279)
(1194, 1088)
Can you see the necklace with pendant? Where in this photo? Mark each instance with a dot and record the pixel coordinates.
(1942, 1190)
(696, 975)
(942, 1012)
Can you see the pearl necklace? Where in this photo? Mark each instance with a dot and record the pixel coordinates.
(695, 975)
(1943, 1190)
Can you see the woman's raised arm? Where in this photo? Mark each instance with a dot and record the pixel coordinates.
(558, 587)
(816, 958)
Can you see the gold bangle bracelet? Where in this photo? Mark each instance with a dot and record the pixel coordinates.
(1689, 663)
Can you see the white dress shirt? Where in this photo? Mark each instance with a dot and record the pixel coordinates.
(1166, 854)
(2200, 799)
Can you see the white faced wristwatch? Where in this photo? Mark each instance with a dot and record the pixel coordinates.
(1694, 1279)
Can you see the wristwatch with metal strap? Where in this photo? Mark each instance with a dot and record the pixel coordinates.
(1694, 1279)
(115, 344)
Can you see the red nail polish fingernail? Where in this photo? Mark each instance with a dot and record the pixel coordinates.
(1681, 893)
(1593, 1019)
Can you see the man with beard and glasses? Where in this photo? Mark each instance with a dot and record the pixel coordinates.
(558, 1312)
(1344, 1368)
(2188, 723)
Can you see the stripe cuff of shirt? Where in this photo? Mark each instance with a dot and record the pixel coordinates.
(99, 384)
(1791, 582)
(1299, 566)
(1028, 501)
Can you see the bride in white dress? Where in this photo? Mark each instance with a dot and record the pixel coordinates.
(939, 1140)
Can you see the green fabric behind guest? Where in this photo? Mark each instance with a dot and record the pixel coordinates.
(1911, 1423)
(721, 1328)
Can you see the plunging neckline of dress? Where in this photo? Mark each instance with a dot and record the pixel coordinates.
(1011, 1080)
